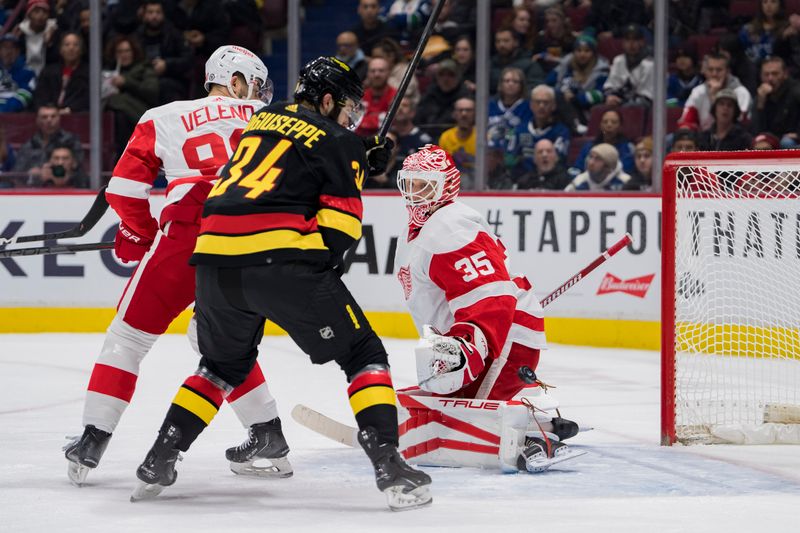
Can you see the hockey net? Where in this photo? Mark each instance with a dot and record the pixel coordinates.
(731, 298)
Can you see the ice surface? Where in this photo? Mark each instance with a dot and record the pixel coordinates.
(626, 483)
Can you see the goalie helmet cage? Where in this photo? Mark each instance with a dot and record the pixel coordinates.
(730, 316)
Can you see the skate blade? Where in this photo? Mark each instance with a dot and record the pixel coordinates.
(537, 464)
(405, 501)
(279, 468)
(77, 473)
(146, 491)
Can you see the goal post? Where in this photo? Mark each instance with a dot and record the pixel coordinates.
(730, 312)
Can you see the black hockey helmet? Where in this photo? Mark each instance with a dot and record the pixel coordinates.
(328, 75)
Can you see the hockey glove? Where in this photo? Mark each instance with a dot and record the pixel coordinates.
(447, 363)
(379, 151)
(129, 245)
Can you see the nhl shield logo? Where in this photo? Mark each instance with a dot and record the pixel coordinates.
(404, 275)
(326, 333)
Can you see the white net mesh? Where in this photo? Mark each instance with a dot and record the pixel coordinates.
(737, 302)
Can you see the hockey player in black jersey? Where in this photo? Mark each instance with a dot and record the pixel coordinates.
(272, 237)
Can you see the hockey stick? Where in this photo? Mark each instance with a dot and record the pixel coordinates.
(412, 66)
(57, 249)
(344, 434)
(96, 212)
(602, 258)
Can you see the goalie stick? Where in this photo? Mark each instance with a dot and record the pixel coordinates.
(345, 434)
(96, 212)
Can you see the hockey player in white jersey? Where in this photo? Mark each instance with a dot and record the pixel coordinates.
(482, 329)
(191, 141)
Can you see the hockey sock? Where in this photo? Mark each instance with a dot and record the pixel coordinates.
(252, 401)
(114, 375)
(373, 401)
(193, 408)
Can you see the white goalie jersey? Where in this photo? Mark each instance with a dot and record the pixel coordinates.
(455, 270)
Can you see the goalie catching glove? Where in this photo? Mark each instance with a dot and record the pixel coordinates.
(129, 245)
(447, 363)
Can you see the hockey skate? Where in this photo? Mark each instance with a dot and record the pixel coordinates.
(158, 469)
(265, 441)
(405, 488)
(539, 455)
(84, 453)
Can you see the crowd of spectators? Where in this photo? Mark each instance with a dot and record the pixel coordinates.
(571, 81)
(571, 84)
(154, 52)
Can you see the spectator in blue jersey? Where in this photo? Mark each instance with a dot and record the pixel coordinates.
(16, 80)
(508, 109)
(509, 53)
(408, 17)
(685, 78)
(543, 125)
(603, 172)
(580, 76)
(758, 36)
(610, 133)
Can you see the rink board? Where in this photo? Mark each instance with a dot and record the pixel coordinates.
(548, 238)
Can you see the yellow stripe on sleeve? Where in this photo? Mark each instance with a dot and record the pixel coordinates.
(371, 396)
(260, 242)
(345, 223)
(195, 404)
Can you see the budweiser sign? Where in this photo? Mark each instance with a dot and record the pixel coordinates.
(635, 286)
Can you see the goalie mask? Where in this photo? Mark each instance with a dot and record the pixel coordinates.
(226, 61)
(429, 179)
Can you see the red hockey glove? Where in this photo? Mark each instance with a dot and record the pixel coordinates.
(129, 245)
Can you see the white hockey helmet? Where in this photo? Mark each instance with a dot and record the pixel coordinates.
(429, 179)
(227, 60)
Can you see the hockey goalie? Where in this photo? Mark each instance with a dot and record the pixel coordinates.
(478, 402)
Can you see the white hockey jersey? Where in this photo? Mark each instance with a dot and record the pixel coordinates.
(191, 140)
(455, 270)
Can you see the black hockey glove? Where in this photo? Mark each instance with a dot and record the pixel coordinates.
(378, 153)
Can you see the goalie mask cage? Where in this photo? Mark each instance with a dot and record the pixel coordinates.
(730, 317)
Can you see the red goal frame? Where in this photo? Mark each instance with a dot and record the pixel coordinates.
(672, 163)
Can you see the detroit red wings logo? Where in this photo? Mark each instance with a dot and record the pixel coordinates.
(635, 286)
(404, 275)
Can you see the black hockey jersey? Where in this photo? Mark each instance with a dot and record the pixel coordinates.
(292, 190)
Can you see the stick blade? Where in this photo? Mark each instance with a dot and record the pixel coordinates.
(325, 426)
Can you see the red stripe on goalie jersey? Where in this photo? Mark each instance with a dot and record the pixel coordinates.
(140, 163)
(474, 276)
